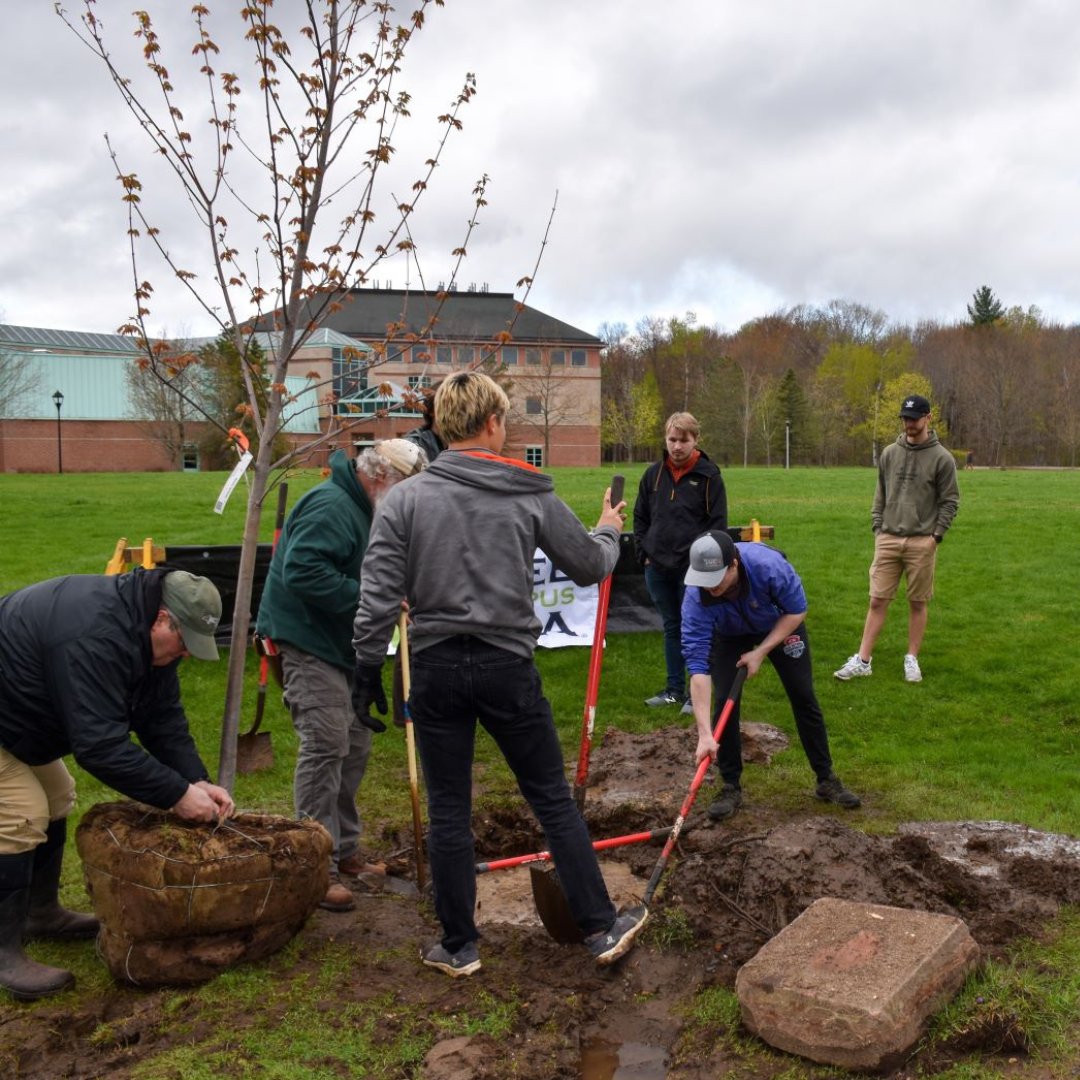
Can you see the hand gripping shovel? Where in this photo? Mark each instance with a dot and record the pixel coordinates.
(253, 749)
(691, 795)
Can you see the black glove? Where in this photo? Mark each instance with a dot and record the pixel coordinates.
(368, 690)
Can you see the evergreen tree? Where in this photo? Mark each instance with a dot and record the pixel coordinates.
(795, 410)
(986, 307)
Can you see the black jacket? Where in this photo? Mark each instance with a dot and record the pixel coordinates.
(670, 516)
(76, 678)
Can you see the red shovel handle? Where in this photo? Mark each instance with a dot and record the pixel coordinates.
(544, 856)
(699, 776)
(596, 663)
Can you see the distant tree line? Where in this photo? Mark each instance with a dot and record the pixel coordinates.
(824, 385)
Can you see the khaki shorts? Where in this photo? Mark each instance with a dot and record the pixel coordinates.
(30, 797)
(911, 556)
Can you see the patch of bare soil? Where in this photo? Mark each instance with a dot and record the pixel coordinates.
(731, 886)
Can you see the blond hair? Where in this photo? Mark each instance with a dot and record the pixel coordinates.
(683, 421)
(464, 402)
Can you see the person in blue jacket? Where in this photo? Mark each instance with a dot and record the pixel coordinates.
(745, 602)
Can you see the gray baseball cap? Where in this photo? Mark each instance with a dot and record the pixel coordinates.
(195, 603)
(710, 557)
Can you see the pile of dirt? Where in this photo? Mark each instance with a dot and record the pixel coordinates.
(728, 888)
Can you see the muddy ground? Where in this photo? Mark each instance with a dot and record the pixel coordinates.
(727, 889)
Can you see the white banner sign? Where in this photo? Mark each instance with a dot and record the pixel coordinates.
(567, 612)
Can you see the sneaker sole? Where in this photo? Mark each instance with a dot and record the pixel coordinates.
(449, 969)
(624, 944)
(836, 802)
(910, 678)
(853, 675)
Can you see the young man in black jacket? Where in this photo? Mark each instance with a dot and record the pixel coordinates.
(85, 662)
(680, 497)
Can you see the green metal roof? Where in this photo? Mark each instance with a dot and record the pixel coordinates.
(34, 338)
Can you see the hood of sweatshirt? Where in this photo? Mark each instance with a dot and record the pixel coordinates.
(490, 472)
(901, 440)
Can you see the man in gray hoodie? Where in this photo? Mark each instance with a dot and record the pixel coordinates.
(458, 542)
(915, 502)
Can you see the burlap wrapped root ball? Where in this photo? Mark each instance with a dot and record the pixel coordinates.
(179, 902)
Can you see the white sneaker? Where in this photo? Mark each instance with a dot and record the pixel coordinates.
(855, 667)
(912, 672)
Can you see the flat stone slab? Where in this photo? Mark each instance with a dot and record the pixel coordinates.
(853, 984)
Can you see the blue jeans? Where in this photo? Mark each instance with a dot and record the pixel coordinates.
(666, 589)
(454, 684)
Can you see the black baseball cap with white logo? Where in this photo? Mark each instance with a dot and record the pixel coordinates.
(710, 557)
(914, 407)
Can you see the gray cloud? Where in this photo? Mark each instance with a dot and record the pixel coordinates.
(709, 155)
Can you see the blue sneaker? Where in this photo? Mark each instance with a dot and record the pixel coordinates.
(465, 961)
(609, 945)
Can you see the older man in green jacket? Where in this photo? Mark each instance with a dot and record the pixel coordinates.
(307, 609)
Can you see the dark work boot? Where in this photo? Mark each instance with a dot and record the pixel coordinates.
(20, 976)
(46, 918)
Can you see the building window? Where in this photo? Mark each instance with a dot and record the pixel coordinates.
(421, 354)
(532, 406)
(509, 355)
(419, 380)
(577, 357)
(534, 455)
(558, 356)
(350, 380)
(189, 458)
(444, 354)
(466, 355)
(532, 356)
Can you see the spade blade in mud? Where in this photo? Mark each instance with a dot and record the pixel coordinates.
(552, 905)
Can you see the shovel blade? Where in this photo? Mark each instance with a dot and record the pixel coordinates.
(254, 752)
(552, 905)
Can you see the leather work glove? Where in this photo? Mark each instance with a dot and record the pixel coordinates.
(367, 690)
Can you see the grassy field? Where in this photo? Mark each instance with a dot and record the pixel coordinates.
(993, 731)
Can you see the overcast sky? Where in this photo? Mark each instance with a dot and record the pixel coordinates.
(722, 157)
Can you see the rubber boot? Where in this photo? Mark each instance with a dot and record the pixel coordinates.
(46, 918)
(20, 976)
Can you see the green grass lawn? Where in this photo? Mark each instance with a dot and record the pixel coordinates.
(991, 732)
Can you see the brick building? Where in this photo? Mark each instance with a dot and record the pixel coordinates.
(351, 379)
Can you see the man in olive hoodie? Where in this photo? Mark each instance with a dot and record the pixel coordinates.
(307, 610)
(915, 502)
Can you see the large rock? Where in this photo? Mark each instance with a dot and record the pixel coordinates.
(179, 902)
(853, 984)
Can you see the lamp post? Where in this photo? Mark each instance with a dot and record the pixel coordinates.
(787, 444)
(58, 401)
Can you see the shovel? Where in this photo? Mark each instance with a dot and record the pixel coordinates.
(596, 663)
(253, 749)
(551, 903)
(410, 744)
(691, 795)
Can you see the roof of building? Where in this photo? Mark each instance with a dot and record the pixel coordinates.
(31, 338)
(323, 337)
(471, 316)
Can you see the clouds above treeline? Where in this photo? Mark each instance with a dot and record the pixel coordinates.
(713, 156)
